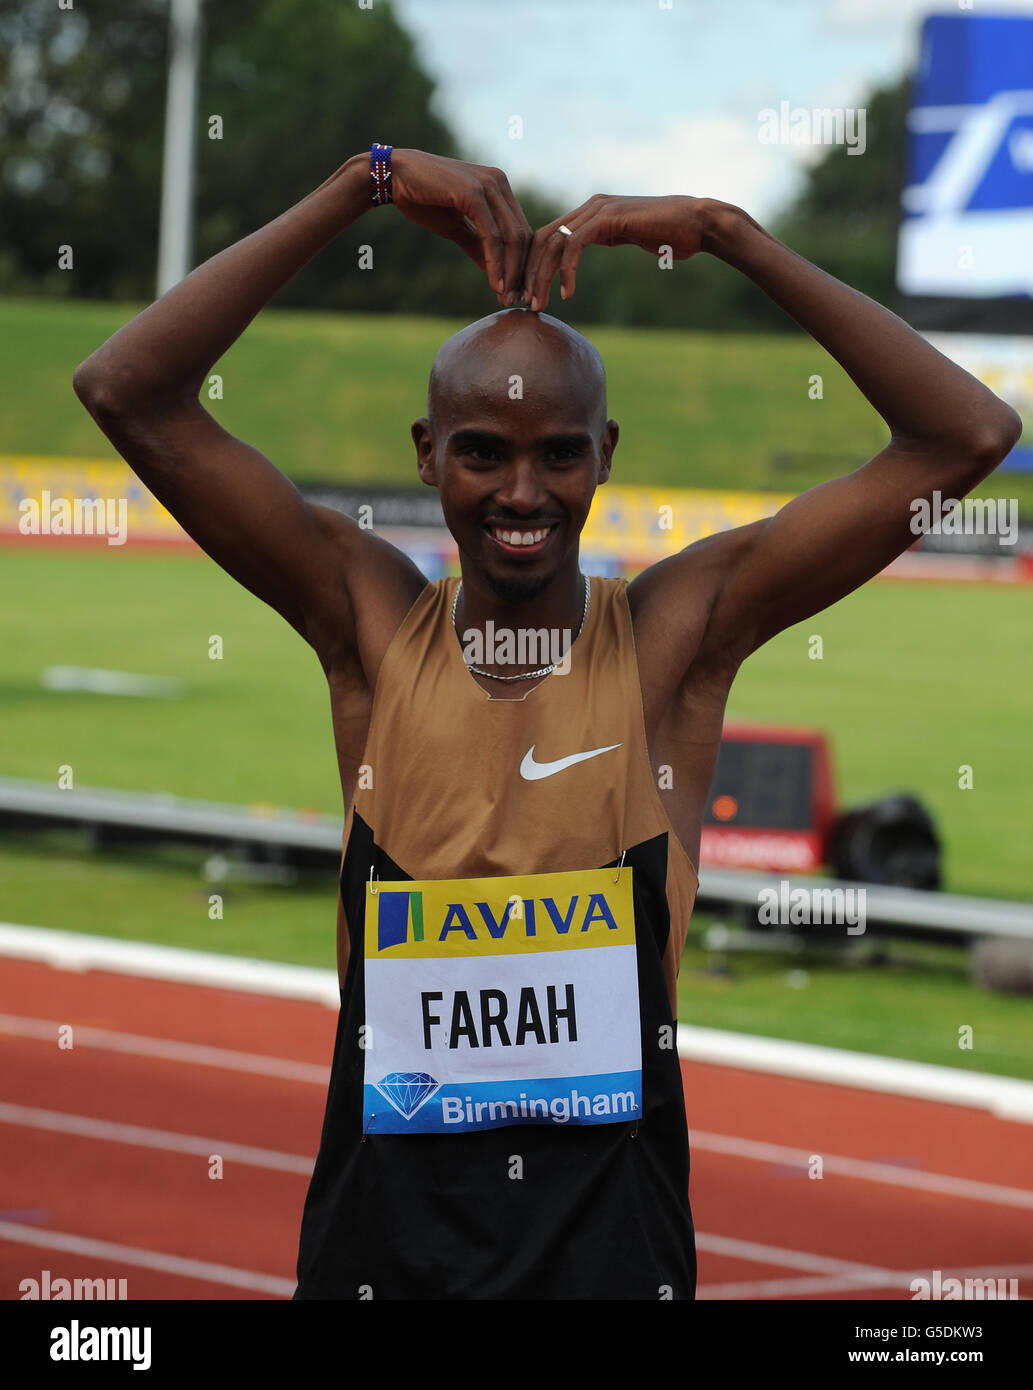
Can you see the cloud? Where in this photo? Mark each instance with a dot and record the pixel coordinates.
(871, 14)
(709, 156)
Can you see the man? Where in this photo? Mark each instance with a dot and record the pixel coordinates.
(505, 1116)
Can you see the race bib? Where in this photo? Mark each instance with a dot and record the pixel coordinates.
(501, 1001)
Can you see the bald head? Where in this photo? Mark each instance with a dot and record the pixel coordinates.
(517, 355)
(516, 432)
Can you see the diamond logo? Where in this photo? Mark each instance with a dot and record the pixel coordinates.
(407, 1090)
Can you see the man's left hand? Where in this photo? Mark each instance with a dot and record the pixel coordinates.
(652, 223)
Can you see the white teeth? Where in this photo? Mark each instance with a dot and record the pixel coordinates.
(520, 537)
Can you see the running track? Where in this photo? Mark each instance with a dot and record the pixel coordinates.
(105, 1155)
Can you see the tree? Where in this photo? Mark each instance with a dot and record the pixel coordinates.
(81, 96)
(299, 85)
(845, 218)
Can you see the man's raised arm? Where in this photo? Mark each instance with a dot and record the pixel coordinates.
(947, 430)
(142, 387)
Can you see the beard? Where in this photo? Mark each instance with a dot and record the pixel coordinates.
(518, 588)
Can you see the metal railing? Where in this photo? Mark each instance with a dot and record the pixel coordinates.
(283, 836)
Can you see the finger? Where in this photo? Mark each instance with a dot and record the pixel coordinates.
(517, 230)
(453, 226)
(546, 254)
(587, 232)
(466, 237)
(536, 272)
(492, 241)
(514, 251)
(535, 253)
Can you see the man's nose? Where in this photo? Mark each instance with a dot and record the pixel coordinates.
(521, 490)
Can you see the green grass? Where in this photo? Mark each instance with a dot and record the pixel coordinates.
(915, 681)
(895, 999)
(891, 999)
(252, 727)
(162, 895)
(332, 396)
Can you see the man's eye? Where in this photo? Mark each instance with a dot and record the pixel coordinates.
(480, 452)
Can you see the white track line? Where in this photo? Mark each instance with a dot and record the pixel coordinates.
(900, 1279)
(167, 1049)
(147, 1259)
(792, 1259)
(756, 1150)
(19, 1234)
(89, 1128)
(69, 950)
(1006, 1097)
(867, 1170)
(788, 1288)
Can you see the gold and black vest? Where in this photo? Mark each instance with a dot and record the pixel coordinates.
(505, 1117)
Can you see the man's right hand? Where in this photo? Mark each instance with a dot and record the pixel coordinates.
(344, 589)
(470, 204)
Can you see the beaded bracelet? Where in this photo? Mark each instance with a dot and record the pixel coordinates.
(380, 173)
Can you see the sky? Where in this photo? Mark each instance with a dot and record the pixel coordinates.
(631, 97)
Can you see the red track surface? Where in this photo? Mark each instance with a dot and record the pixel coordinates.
(765, 1228)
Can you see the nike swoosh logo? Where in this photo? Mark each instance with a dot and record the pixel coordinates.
(531, 771)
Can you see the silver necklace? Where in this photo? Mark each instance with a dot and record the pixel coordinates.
(525, 675)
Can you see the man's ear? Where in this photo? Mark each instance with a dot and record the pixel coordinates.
(423, 438)
(611, 434)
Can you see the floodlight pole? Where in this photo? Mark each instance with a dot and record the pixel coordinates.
(177, 175)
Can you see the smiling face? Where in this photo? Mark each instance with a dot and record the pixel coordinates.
(516, 443)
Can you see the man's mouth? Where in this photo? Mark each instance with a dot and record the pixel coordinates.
(525, 540)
